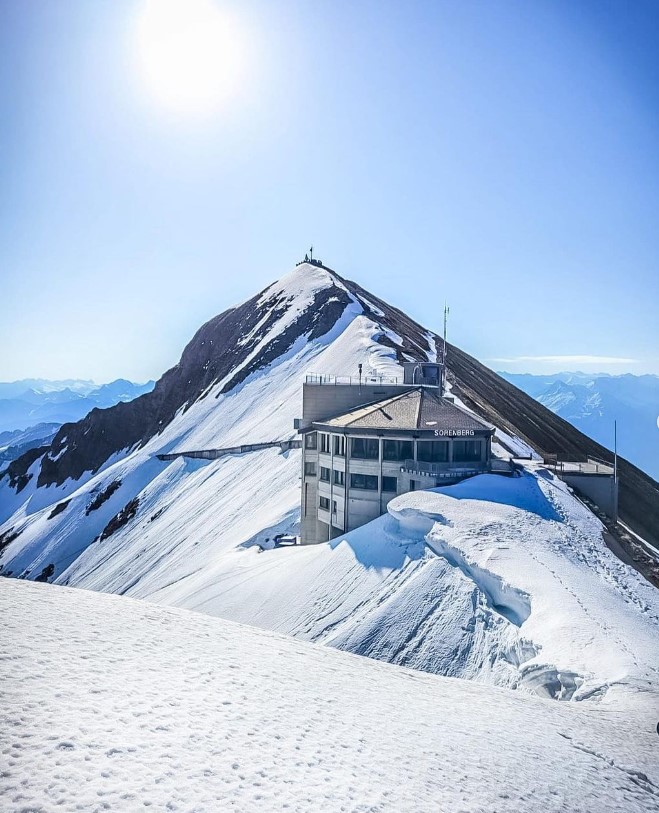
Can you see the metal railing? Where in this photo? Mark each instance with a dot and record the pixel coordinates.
(589, 466)
(499, 466)
(351, 380)
(421, 467)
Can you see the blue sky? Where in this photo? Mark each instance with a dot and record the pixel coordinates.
(499, 155)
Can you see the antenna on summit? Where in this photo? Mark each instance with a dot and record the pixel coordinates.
(308, 258)
(446, 313)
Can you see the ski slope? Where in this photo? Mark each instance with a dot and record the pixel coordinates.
(115, 704)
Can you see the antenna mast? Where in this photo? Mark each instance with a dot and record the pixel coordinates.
(615, 470)
(446, 312)
(615, 451)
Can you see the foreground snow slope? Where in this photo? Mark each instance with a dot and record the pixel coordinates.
(113, 704)
(499, 580)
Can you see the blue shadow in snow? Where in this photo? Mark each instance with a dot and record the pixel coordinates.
(521, 492)
(374, 545)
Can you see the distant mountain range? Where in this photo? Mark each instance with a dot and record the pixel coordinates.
(592, 403)
(33, 409)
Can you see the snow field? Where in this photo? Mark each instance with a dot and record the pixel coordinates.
(113, 704)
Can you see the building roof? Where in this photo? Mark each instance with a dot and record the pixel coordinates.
(419, 409)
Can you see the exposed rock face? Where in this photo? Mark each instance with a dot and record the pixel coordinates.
(17, 470)
(122, 518)
(214, 352)
(222, 351)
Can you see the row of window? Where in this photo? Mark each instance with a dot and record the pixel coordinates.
(325, 504)
(368, 482)
(311, 442)
(362, 448)
(428, 451)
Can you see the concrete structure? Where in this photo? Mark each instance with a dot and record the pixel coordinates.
(365, 443)
(594, 479)
(214, 454)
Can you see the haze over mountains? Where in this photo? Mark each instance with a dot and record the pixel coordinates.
(33, 409)
(593, 402)
(32, 401)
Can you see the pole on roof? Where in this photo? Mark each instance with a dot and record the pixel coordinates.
(615, 470)
(443, 387)
(615, 466)
(615, 451)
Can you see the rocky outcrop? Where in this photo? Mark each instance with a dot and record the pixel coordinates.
(120, 519)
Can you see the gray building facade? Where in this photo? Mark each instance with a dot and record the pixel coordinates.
(364, 443)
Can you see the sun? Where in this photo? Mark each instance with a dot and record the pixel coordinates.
(190, 53)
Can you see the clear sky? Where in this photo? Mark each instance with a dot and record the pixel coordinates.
(500, 155)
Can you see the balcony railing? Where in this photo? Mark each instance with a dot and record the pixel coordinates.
(351, 380)
(589, 466)
(429, 469)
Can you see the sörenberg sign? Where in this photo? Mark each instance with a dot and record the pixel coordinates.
(453, 433)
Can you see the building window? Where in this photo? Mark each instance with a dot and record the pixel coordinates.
(430, 374)
(397, 449)
(324, 443)
(339, 445)
(334, 506)
(310, 469)
(467, 451)
(324, 474)
(324, 503)
(365, 448)
(339, 478)
(311, 440)
(432, 451)
(390, 484)
(368, 482)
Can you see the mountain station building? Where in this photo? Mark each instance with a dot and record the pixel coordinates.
(364, 441)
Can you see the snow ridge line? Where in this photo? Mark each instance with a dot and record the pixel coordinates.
(511, 602)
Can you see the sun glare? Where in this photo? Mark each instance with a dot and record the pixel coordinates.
(190, 53)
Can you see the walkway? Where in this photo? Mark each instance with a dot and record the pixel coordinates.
(213, 454)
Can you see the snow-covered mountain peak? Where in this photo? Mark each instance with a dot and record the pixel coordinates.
(302, 283)
(101, 493)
